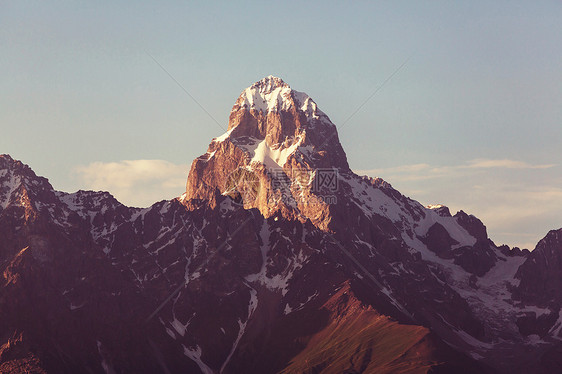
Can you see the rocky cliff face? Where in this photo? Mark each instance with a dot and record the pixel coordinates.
(280, 154)
(277, 258)
(541, 275)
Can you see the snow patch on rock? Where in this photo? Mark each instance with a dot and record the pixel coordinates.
(275, 156)
(195, 353)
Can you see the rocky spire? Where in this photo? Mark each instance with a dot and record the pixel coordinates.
(275, 133)
(270, 109)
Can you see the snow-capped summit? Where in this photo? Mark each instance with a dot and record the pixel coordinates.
(272, 94)
(286, 121)
(273, 132)
(268, 84)
(268, 94)
(16, 181)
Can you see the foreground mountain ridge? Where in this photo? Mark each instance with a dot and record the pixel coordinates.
(277, 258)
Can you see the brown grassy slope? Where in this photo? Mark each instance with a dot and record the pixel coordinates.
(358, 339)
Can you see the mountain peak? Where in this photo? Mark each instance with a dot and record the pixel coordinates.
(269, 84)
(270, 94)
(285, 120)
(272, 130)
(17, 180)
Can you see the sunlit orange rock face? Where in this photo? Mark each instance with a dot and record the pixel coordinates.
(276, 259)
(283, 139)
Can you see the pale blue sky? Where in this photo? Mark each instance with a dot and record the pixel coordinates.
(484, 81)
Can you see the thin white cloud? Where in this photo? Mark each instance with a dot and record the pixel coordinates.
(135, 182)
(483, 163)
(423, 171)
